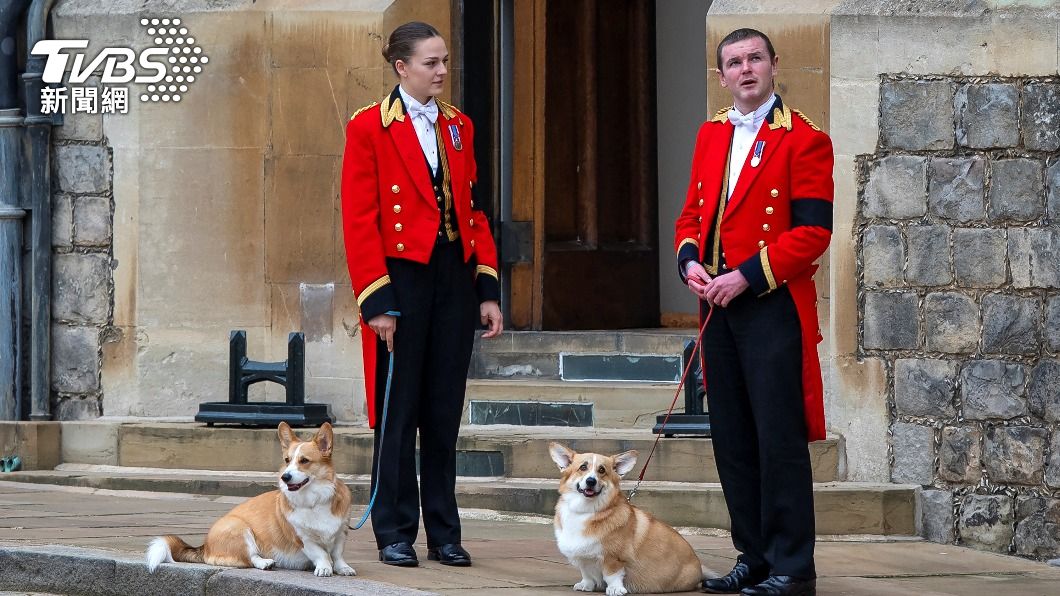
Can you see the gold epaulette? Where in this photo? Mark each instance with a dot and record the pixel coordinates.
(367, 107)
(721, 115)
(448, 110)
(805, 119)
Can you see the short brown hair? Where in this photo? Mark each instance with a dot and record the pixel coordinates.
(742, 34)
(403, 40)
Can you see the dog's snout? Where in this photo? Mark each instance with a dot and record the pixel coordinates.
(286, 477)
(590, 481)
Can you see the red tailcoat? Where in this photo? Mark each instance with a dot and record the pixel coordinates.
(778, 221)
(389, 208)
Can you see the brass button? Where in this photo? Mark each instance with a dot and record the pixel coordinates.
(765, 227)
(700, 218)
(723, 255)
(395, 189)
(761, 244)
(769, 211)
(398, 227)
(470, 184)
(471, 222)
(472, 244)
(400, 247)
(435, 189)
(397, 208)
(774, 193)
(784, 282)
(699, 185)
(472, 204)
(701, 202)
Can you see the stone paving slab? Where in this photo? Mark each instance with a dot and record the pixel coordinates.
(514, 555)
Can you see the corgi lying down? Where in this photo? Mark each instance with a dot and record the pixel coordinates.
(300, 526)
(617, 547)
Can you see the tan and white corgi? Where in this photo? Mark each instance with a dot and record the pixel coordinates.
(617, 547)
(301, 526)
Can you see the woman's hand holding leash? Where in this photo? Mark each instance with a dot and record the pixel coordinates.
(385, 326)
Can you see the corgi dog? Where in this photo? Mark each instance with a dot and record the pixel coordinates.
(617, 547)
(302, 525)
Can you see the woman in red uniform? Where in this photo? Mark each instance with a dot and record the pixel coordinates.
(424, 269)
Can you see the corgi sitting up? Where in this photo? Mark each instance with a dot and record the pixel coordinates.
(301, 526)
(617, 547)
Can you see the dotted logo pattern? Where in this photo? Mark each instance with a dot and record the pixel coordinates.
(185, 59)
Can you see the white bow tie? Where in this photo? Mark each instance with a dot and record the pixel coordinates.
(430, 111)
(746, 120)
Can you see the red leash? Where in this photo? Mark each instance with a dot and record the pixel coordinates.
(698, 349)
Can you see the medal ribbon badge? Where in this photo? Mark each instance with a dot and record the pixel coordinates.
(454, 132)
(757, 157)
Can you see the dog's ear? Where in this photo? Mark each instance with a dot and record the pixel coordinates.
(624, 462)
(561, 455)
(287, 436)
(325, 439)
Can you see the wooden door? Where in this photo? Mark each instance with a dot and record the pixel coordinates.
(583, 171)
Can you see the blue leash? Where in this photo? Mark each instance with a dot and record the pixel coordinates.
(382, 435)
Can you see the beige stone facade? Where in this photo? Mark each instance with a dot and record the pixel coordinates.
(226, 204)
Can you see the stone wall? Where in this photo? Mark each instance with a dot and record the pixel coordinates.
(958, 229)
(82, 283)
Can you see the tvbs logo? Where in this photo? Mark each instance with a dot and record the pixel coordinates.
(118, 64)
(167, 67)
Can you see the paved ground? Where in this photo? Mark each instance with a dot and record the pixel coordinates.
(513, 555)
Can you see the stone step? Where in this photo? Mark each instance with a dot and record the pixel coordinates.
(630, 341)
(642, 355)
(840, 507)
(505, 451)
(612, 404)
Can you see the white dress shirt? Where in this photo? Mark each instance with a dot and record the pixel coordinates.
(744, 137)
(423, 119)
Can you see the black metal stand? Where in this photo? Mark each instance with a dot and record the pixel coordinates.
(242, 373)
(694, 421)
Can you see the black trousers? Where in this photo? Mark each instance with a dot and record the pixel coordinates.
(432, 351)
(753, 357)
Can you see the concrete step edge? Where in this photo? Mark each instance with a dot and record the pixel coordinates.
(73, 570)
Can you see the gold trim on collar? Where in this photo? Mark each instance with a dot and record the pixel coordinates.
(371, 289)
(448, 110)
(781, 118)
(490, 271)
(367, 107)
(392, 111)
(805, 119)
(721, 115)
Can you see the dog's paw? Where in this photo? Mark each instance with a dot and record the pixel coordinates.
(344, 569)
(585, 586)
(322, 571)
(616, 591)
(265, 564)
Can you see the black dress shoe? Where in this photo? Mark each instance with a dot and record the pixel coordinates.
(741, 576)
(783, 585)
(400, 554)
(449, 554)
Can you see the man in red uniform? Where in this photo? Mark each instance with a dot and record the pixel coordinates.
(757, 215)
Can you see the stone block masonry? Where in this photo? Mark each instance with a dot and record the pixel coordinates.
(958, 240)
(83, 266)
